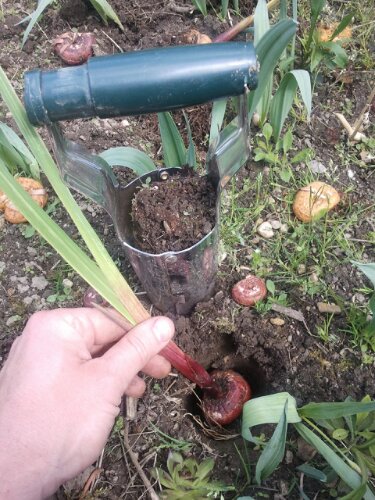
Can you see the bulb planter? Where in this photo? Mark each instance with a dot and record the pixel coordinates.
(174, 281)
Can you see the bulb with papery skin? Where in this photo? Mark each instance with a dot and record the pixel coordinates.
(249, 291)
(74, 48)
(226, 405)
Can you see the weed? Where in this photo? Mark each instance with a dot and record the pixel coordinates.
(168, 442)
(188, 479)
(278, 155)
(315, 51)
(323, 329)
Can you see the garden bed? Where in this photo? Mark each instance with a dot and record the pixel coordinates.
(315, 358)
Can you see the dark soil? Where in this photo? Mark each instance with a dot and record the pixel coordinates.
(219, 333)
(174, 214)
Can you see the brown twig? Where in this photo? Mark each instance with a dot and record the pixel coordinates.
(242, 25)
(152, 493)
(90, 481)
(181, 9)
(359, 120)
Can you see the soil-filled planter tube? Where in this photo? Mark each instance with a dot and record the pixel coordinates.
(174, 281)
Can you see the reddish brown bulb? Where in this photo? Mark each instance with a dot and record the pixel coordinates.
(249, 291)
(74, 48)
(224, 407)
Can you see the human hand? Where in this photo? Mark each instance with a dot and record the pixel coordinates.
(58, 402)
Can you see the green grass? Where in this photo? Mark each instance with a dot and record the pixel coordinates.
(301, 261)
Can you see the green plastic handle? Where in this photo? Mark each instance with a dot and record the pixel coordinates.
(141, 82)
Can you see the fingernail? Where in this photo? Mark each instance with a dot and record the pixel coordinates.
(163, 329)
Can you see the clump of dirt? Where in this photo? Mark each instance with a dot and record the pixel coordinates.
(174, 214)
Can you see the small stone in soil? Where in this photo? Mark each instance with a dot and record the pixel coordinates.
(277, 321)
(328, 308)
(265, 230)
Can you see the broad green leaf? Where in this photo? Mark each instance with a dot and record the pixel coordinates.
(224, 8)
(361, 417)
(10, 156)
(261, 26)
(334, 410)
(201, 5)
(301, 156)
(217, 118)
(316, 8)
(356, 494)
(191, 158)
(163, 477)
(274, 450)
(342, 25)
(271, 287)
(368, 269)
(347, 474)
(105, 11)
(316, 57)
(128, 157)
(259, 156)
(21, 148)
(312, 472)
(267, 131)
(205, 468)
(340, 434)
(33, 18)
(287, 141)
(341, 57)
(267, 410)
(268, 50)
(174, 151)
(283, 9)
(285, 174)
(283, 99)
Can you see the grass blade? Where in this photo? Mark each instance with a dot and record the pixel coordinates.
(325, 411)
(34, 16)
(224, 8)
(105, 11)
(269, 49)
(261, 27)
(26, 158)
(191, 158)
(274, 450)
(217, 117)
(347, 474)
(342, 25)
(201, 5)
(174, 150)
(367, 269)
(128, 157)
(283, 99)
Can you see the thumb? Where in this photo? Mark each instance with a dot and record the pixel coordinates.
(130, 354)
